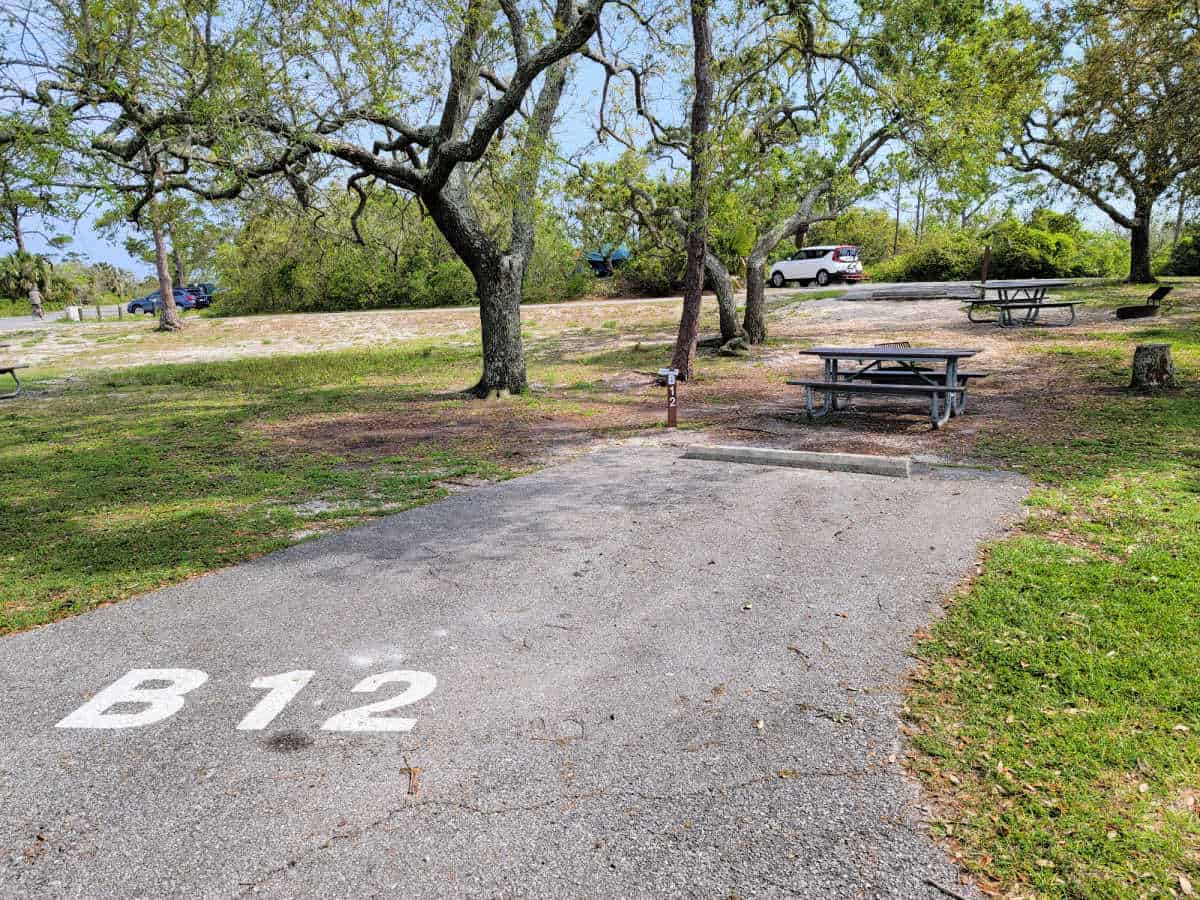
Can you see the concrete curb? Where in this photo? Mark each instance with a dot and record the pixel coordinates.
(894, 466)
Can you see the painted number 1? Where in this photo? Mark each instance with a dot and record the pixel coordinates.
(161, 693)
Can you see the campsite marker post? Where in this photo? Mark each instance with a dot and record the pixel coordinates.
(672, 408)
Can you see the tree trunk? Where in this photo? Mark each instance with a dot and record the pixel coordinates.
(802, 236)
(754, 323)
(18, 233)
(684, 358)
(1139, 244)
(896, 232)
(178, 274)
(1178, 234)
(168, 316)
(499, 293)
(726, 302)
(1152, 367)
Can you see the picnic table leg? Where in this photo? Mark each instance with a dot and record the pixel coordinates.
(953, 400)
(14, 393)
(1031, 314)
(810, 406)
(831, 376)
(939, 410)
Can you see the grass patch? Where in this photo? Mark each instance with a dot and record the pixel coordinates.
(1057, 710)
(147, 476)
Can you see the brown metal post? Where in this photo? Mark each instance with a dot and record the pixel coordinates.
(672, 399)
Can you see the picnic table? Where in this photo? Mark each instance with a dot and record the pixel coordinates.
(891, 370)
(1019, 294)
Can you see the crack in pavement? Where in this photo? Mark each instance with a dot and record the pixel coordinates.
(417, 805)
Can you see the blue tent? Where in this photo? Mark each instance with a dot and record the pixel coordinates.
(607, 258)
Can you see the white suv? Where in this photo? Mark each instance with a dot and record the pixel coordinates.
(819, 264)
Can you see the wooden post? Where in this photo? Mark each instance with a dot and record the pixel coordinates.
(987, 261)
(670, 376)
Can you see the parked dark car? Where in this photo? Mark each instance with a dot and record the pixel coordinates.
(203, 292)
(151, 302)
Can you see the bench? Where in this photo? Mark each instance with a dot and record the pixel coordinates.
(923, 377)
(1005, 319)
(12, 370)
(940, 407)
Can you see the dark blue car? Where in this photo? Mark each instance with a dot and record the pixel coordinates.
(151, 302)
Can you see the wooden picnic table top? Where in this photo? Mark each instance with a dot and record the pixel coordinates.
(1018, 283)
(887, 353)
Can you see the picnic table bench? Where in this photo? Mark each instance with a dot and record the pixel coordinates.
(1028, 295)
(910, 374)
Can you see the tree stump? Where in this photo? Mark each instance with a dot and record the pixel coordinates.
(1152, 367)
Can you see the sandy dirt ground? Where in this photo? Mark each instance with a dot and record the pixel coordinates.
(734, 400)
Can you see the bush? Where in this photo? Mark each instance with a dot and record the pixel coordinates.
(1047, 245)
(1184, 258)
(942, 256)
(293, 262)
(872, 231)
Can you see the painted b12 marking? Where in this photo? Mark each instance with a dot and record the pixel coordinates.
(162, 702)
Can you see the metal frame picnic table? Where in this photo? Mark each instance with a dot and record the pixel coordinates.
(912, 364)
(1020, 291)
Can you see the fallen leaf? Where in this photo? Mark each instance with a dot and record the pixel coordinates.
(1185, 885)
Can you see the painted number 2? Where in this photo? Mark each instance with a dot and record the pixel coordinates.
(161, 693)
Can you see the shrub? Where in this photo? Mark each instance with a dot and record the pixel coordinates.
(1047, 245)
(295, 262)
(1184, 258)
(942, 256)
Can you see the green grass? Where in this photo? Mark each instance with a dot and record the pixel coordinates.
(147, 476)
(1058, 708)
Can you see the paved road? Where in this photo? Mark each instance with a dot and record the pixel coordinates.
(654, 677)
(25, 323)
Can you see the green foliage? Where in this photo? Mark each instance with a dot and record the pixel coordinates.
(1046, 245)
(20, 272)
(1054, 245)
(872, 231)
(943, 255)
(288, 261)
(1184, 258)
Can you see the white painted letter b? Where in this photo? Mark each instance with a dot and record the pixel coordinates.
(159, 702)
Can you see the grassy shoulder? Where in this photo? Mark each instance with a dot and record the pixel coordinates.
(116, 481)
(143, 477)
(1056, 714)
